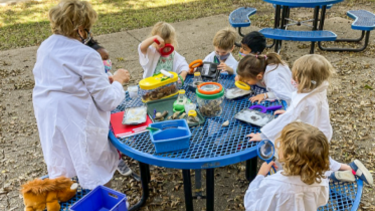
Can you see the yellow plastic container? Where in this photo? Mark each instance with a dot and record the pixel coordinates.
(161, 86)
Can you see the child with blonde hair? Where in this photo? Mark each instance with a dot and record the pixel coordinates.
(309, 104)
(303, 151)
(267, 71)
(224, 44)
(149, 52)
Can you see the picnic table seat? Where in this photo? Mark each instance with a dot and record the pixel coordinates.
(240, 17)
(329, 6)
(364, 21)
(311, 36)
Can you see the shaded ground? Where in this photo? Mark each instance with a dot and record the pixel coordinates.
(352, 110)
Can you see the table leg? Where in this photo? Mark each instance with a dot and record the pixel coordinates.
(198, 185)
(315, 26)
(251, 168)
(210, 192)
(276, 25)
(187, 190)
(145, 175)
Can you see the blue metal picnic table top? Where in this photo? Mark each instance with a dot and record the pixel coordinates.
(303, 3)
(211, 145)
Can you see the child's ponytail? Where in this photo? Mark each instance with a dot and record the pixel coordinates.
(274, 59)
(252, 65)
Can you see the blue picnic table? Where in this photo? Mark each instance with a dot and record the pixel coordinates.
(211, 145)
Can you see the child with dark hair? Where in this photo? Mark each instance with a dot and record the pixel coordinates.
(252, 43)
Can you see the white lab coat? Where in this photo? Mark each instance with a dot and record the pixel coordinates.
(285, 193)
(311, 108)
(72, 101)
(149, 61)
(231, 61)
(277, 79)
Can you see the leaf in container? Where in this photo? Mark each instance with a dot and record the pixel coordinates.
(135, 116)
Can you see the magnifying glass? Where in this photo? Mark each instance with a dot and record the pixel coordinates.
(266, 151)
(166, 50)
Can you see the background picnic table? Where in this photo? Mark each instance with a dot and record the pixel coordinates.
(351, 97)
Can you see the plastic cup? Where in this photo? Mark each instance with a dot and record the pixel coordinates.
(133, 91)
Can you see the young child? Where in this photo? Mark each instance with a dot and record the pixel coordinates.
(224, 44)
(303, 151)
(268, 71)
(252, 43)
(309, 104)
(149, 56)
(122, 168)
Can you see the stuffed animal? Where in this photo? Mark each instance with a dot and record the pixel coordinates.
(41, 194)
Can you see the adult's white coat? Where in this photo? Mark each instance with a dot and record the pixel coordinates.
(72, 101)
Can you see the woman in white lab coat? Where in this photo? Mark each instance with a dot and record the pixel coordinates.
(73, 98)
(310, 105)
(304, 152)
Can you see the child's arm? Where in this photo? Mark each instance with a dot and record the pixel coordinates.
(224, 67)
(183, 74)
(147, 42)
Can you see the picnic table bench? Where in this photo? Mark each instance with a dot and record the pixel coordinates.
(363, 21)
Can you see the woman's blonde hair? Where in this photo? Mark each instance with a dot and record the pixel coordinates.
(165, 31)
(304, 151)
(310, 71)
(69, 15)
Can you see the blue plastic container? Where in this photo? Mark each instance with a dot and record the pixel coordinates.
(173, 135)
(101, 199)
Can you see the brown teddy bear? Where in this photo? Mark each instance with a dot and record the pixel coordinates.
(39, 194)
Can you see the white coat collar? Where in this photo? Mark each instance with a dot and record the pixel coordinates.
(296, 180)
(298, 97)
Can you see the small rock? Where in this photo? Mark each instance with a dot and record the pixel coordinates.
(225, 124)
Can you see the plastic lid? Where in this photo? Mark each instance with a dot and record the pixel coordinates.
(192, 113)
(157, 81)
(182, 91)
(210, 88)
(242, 85)
(197, 74)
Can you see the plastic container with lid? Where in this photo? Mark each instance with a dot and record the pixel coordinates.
(160, 86)
(210, 98)
(192, 116)
(182, 100)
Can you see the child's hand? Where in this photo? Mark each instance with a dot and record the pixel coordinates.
(266, 167)
(224, 68)
(259, 98)
(279, 112)
(122, 76)
(161, 41)
(237, 78)
(110, 78)
(254, 137)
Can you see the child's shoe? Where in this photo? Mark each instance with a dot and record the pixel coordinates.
(124, 169)
(342, 176)
(361, 171)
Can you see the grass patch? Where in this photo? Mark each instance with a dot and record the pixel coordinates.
(26, 24)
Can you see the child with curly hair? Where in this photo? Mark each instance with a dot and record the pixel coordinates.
(303, 151)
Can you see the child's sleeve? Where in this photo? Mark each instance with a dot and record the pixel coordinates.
(209, 58)
(144, 59)
(252, 193)
(106, 96)
(278, 84)
(180, 64)
(272, 130)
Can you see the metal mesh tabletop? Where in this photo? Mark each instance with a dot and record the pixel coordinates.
(303, 3)
(211, 145)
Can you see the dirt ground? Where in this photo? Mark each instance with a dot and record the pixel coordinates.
(351, 98)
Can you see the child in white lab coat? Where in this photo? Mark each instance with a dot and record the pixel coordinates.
(268, 71)
(303, 151)
(224, 44)
(149, 52)
(309, 104)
